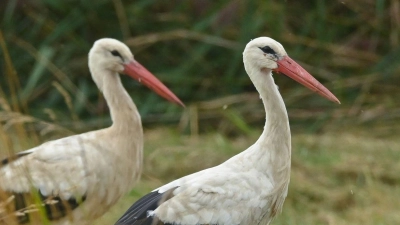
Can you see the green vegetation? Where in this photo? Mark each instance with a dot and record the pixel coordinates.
(337, 178)
(345, 157)
(195, 47)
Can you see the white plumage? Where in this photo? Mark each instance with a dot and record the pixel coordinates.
(80, 177)
(250, 188)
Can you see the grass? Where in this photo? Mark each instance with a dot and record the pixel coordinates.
(337, 178)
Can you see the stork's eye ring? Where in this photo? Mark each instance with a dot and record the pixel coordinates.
(268, 50)
(116, 53)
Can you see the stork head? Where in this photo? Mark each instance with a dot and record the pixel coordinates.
(108, 57)
(266, 54)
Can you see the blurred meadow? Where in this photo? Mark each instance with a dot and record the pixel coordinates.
(345, 162)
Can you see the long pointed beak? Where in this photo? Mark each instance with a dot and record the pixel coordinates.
(141, 74)
(290, 68)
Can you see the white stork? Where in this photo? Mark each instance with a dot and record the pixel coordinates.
(249, 188)
(78, 178)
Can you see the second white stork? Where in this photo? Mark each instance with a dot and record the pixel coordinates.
(249, 188)
(78, 178)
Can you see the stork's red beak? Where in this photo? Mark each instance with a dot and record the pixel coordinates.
(138, 72)
(290, 68)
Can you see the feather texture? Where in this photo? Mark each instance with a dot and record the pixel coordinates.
(8, 160)
(67, 172)
(140, 210)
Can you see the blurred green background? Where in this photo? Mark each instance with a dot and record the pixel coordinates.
(345, 157)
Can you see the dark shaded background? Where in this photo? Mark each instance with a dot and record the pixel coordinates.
(195, 47)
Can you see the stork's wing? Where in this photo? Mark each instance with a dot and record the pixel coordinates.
(8, 160)
(215, 196)
(53, 173)
(138, 212)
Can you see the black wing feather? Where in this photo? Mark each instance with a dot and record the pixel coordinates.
(58, 208)
(54, 206)
(137, 213)
(8, 160)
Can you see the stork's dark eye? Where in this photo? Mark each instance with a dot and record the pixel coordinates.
(268, 50)
(116, 53)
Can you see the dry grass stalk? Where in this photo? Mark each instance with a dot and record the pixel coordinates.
(55, 71)
(67, 99)
(122, 18)
(153, 38)
(12, 118)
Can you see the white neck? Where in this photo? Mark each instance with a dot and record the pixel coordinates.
(125, 136)
(272, 151)
(124, 113)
